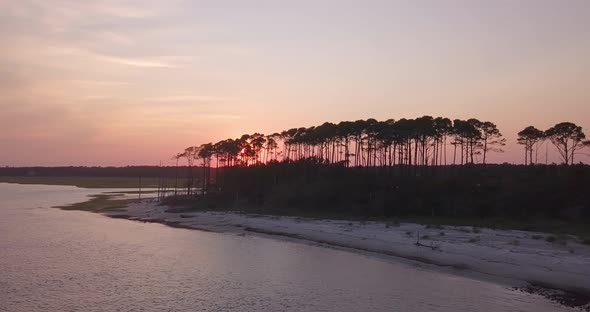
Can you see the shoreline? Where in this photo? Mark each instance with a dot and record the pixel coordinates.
(518, 259)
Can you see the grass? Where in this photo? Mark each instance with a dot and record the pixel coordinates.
(86, 182)
(99, 203)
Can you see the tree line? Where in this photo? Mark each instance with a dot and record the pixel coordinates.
(392, 168)
(567, 137)
(424, 141)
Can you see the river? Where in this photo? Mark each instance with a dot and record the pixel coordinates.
(55, 260)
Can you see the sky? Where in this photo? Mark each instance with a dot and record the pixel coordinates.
(128, 82)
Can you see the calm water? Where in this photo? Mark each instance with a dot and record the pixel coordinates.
(54, 260)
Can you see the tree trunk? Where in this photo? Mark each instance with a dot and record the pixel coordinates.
(485, 150)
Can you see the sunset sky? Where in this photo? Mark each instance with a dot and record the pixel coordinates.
(134, 81)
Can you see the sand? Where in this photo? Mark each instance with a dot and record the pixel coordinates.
(517, 255)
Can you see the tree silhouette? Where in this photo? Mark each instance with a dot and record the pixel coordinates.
(190, 154)
(529, 137)
(176, 157)
(442, 129)
(492, 138)
(407, 143)
(205, 152)
(567, 137)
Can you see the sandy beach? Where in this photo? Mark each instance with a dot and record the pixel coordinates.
(516, 255)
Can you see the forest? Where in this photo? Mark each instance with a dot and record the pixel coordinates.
(426, 166)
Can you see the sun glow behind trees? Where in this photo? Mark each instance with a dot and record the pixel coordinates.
(424, 141)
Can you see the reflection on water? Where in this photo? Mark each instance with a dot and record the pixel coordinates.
(54, 260)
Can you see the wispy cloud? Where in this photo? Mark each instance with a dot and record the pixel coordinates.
(99, 82)
(73, 51)
(192, 98)
(137, 62)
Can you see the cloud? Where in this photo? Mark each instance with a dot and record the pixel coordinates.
(99, 82)
(137, 62)
(156, 62)
(191, 98)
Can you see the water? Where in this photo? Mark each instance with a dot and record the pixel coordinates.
(54, 260)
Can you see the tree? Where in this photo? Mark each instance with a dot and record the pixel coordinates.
(424, 131)
(205, 152)
(474, 137)
(442, 128)
(271, 147)
(190, 155)
(344, 131)
(491, 137)
(176, 157)
(467, 135)
(529, 137)
(257, 142)
(567, 137)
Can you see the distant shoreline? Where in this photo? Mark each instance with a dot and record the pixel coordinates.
(84, 181)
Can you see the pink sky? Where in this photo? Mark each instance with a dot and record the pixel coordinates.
(132, 82)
